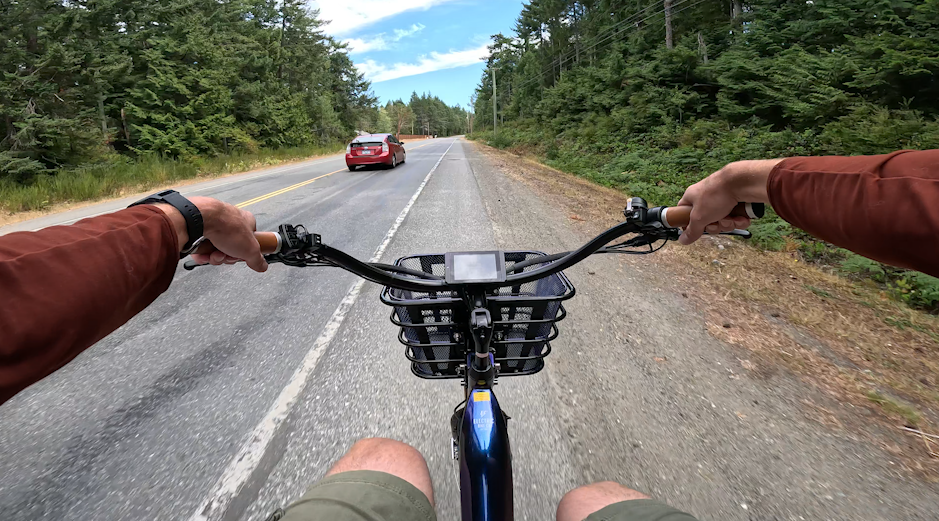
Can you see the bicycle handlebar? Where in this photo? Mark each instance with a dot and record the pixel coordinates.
(680, 216)
(670, 217)
(294, 246)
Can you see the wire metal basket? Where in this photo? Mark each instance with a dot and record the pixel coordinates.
(434, 325)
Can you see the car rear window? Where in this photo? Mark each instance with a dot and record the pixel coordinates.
(366, 143)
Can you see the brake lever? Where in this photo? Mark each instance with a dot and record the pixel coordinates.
(190, 264)
(743, 234)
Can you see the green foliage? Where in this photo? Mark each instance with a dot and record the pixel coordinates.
(864, 267)
(770, 234)
(429, 115)
(97, 96)
(916, 289)
(591, 87)
(179, 79)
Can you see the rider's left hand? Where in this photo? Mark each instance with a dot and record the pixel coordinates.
(229, 230)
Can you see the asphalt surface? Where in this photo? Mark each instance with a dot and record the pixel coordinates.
(143, 425)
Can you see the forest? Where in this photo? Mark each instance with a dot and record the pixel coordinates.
(649, 96)
(101, 95)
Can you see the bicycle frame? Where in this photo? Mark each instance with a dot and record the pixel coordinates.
(482, 439)
(485, 457)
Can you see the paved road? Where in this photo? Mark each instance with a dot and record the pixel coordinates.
(143, 424)
(146, 424)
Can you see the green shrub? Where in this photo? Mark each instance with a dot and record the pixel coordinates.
(916, 289)
(863, 267)
(500, 140)
(659, 163)
(770, 234)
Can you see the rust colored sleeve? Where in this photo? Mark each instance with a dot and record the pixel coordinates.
(64, 288)
(882, 207)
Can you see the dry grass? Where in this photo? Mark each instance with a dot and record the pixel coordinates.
(846, 338)
(7, 217)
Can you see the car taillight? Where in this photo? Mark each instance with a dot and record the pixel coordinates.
(384, 146)
(349, 148)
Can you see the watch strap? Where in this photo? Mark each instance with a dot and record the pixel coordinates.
(189, 211)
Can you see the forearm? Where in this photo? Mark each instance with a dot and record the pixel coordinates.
(747, 180)
(66, 287)
(882, 207)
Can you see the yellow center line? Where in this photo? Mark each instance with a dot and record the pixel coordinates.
(283, 190)
(294, 187)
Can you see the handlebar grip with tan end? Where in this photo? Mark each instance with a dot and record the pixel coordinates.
(680, 216)
(270, 242)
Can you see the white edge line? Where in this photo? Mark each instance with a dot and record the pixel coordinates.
(239, 471)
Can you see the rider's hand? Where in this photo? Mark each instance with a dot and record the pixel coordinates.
(713, 198)
(229, 229)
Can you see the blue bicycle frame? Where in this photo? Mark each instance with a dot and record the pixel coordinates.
(485, 457)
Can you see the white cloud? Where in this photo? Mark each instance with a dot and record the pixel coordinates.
(381, 41)
(436, 61)
(404, 33)
(367, 44)
(347, 16)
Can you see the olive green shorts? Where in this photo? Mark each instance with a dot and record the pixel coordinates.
(365, 495)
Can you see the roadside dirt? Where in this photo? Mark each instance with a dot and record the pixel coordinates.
(875, 361)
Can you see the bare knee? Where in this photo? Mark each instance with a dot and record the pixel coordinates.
(579, 503)
(390, 456)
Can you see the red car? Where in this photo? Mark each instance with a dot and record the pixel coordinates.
(374, 149)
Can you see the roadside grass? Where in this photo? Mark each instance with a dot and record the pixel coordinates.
(658, 167)
(120, 176)
(893, 406)
(846, 337)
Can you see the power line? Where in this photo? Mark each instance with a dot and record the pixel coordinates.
(632, 19)
(608, 36)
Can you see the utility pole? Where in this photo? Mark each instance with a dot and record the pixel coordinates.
(492, 71)
(702, 47)
(669, 37)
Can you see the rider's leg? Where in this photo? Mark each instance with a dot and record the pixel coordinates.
(579, 503)
(609, 501)
(390, 456)
(377, 480)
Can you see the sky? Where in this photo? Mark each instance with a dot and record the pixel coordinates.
(405, 46)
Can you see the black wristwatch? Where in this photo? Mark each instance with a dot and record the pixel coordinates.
(190, 212)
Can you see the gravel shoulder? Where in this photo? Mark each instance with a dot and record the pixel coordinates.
(649, 398)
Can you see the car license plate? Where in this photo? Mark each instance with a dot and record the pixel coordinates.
(366, 152)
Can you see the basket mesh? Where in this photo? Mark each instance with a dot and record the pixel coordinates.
(434, 324)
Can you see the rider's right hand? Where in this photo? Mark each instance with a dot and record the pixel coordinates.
(713, 198)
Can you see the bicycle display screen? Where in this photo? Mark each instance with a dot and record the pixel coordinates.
(474, 267)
